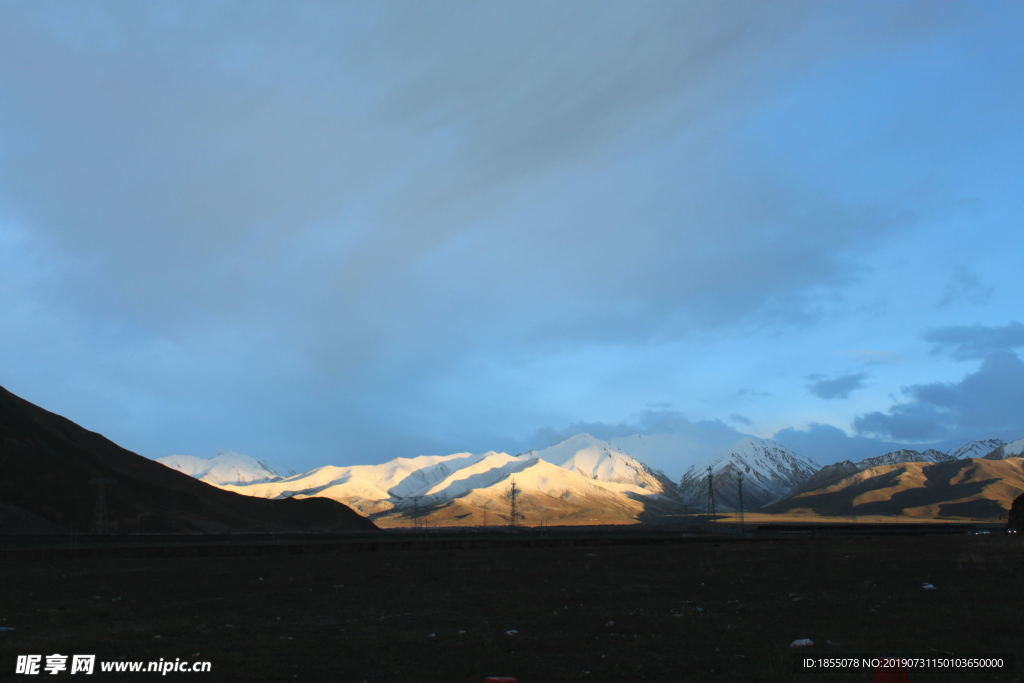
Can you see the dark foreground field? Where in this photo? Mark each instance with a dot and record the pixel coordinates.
(694, 611)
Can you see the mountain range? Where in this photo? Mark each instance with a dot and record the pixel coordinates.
(830, 475)
(582, 480)
(586, 480)
(972, 487)
(61, 477)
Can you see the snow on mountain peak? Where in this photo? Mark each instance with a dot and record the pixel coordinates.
(1013, 449)
(601, 461)
(227, 467)
(582, 468)
(769, 469)
(756, 456)
(903, 455)
(977, 449)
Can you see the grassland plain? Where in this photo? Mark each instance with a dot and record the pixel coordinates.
(709, 610)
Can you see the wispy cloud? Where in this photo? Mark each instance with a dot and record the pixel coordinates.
(966, 287)
(967, 342)
(836, 387)
(874, 356)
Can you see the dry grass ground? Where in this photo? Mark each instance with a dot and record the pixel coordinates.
(699, 611)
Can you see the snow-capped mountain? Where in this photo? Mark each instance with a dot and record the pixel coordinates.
(224, 468)
(1013, 449)
(581, 479)
(769, 471)
(977, 448)
(549, 494)
(674, 453)
(369, 488)
(600, 460)
(904, 455)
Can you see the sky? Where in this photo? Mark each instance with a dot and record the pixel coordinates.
(338, 233)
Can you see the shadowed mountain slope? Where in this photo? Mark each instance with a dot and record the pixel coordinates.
(974, 488)
(53, 472)
(836, 472)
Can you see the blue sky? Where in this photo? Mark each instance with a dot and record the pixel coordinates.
(343, 232)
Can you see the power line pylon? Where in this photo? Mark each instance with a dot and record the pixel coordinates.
(513, 505)
(417, 514)
(712, 511)
(739, 489)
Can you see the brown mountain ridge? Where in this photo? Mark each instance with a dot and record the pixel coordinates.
(973, 488)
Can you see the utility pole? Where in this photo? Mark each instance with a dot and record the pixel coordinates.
(739, 487)
(712, 512)
(513, 504)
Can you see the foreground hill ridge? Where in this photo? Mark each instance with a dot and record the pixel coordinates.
(59, 477)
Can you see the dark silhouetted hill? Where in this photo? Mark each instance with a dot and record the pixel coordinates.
(1015, 520)
(52, 472)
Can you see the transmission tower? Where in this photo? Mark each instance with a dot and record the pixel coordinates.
(712, 512)
(513, 505)
(417, 514)
(739, 489)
